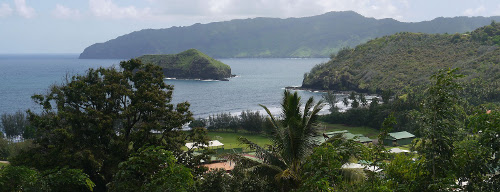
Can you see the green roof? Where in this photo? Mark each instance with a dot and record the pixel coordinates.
(401, 135)
(356, 137)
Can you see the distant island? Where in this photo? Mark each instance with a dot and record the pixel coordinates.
(189, 64)
(316, 36)
(406, 60)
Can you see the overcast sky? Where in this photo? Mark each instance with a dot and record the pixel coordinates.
(63, 26)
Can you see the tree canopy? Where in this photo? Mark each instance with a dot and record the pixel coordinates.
(96, 120)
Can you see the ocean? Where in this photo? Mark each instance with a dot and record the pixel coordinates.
(258, 81)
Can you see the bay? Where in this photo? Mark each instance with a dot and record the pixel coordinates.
(258, 81)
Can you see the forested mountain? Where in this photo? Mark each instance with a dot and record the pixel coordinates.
(316, 36)
(407, 59)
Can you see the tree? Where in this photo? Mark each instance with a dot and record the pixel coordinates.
(332, 100)
(323, 169)
(386, 95)
(151, 169)
(292, 141)
(251, 121)
(13, 178)
(345, 101)
(96, 120)
(355, 102)
(441, 123)
(363, 100)
(20, 178)
(14, 125)
(216, 180)
(484, 126)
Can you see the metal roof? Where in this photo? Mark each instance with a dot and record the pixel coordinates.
(356, 137)
(401, 135)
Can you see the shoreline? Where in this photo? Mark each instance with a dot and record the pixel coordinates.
(316, 90)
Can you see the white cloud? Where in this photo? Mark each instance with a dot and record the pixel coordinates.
(23, 9)
(65, 13)
(497, 11)
(474, 12)
(278, 8)
(106, 8)
(5, 10)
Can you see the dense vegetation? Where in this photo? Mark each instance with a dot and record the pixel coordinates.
(189, 64)
(407, 60)
(102, 126)
(316, 36)
(113, 130)
(116, 130)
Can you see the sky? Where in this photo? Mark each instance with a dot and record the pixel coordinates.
(69, 26)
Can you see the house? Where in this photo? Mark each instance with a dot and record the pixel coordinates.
(398, 138)
(346, 134)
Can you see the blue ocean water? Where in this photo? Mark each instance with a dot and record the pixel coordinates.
(258, 81)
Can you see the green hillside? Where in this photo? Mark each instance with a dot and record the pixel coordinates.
(315, 36)
(408, 59)
(190, 64)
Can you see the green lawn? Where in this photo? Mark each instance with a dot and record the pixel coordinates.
(3, 164)
(230, 139)
(366, 131)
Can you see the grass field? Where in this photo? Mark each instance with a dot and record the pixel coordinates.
(230, 140)
(366, 131)
(2, 164)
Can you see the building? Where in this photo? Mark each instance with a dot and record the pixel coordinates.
(346, 134)
(399, 138)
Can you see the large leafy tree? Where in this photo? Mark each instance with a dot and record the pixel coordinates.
(96, 120)
(151, 169)
(14, 125)
(292, 141)
(442, 121)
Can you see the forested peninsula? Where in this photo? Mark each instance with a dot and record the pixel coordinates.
(315, 36)
(189, 64)
(407, 60)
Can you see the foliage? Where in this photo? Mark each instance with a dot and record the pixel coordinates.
(13, 178)
(322, 171)
(332, 100)
(10, 149)
(441, 122)
(292, 142)
(94, 121)
(151, 169)
(316, 36)
(197, 123)
(189, 64)
(65, 179)
(223, 121)
(19, 178)
(407, 60)
(486, 127)
(252, 121)
(405, 174)
(247, 120)
(216, 180)
(15, 125)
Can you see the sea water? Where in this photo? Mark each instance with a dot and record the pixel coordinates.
(258, 81)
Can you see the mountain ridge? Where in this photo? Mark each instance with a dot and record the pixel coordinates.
(313, 36)
(404, 60)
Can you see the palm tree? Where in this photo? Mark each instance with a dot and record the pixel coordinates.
(292, 141)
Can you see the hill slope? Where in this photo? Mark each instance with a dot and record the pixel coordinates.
(316, 36)
(190, 64)
(409, 59)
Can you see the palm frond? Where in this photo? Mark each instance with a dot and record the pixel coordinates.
(266, 156)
